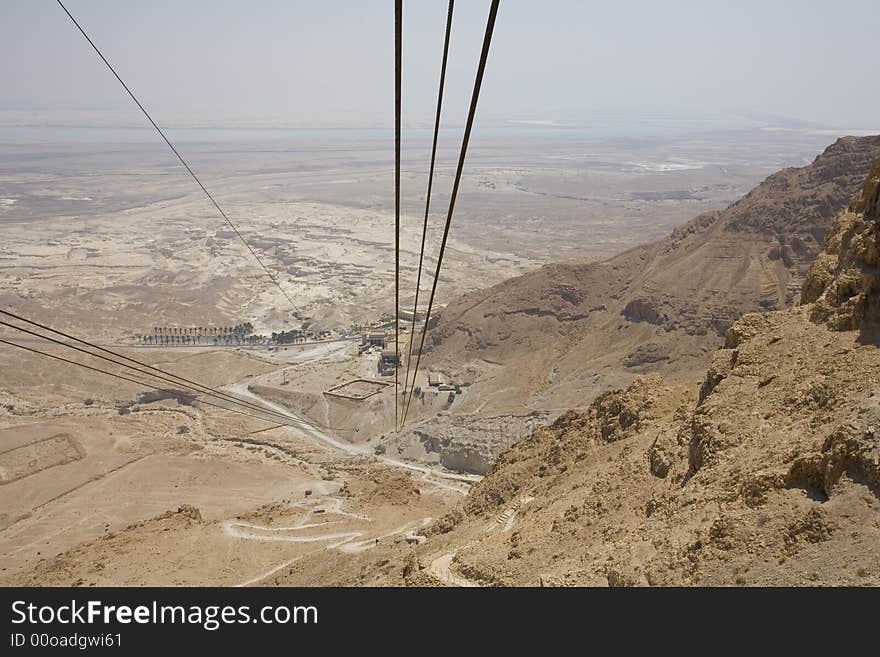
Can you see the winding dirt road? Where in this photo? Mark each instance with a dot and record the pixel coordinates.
(429, 474)
(312, 529)
(303, 531)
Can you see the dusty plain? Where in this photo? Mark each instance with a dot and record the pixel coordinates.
(107, 239)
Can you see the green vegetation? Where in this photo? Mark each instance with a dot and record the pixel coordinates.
(286, 337)
(173, 335)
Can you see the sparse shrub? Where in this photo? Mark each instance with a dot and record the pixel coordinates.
(89, 401)
(380, 449)
(182, 429)
(450, 398)
(862, 571)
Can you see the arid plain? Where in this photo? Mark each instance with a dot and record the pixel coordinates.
(107, 239)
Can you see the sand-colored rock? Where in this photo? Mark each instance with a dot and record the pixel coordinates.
(568, 331)
(766, 473)
(844, 283)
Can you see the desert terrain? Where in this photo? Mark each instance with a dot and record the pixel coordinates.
(765, 473)
(570, 330)
(101, 483)
(117, 231)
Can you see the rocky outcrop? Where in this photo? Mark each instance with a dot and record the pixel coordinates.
(852, 450)
(844, 283)
(642, 310)
(770, 476)
(553, 329)
(646, 355)
(614, 415)
(462, 443)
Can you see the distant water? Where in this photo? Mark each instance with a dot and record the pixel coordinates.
(596, 127)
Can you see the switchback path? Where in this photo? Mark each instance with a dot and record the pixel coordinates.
(430, 475)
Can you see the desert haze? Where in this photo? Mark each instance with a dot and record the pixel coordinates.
(109, 482)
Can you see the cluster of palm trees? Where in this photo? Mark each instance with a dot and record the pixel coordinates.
(226, 335)
(287, 337)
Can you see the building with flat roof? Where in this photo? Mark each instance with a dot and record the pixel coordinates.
(374, 339)
(389, 361)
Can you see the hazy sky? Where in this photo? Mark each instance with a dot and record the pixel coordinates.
(299, 62)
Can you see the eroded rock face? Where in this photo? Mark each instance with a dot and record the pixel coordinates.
(844, 283)
(642, 310)
(646, 355)
(852, 450)
(771, 475)
(661, 307)
(614, 415)
(466, 444)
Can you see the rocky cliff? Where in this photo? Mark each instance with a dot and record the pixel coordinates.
(766, 472)
(568, 331)
(844, 283)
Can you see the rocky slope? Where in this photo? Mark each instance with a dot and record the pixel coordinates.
(460, 443)
(844, 282)
(768, 472)
(570, 330)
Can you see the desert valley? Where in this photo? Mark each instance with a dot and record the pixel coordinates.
(655, 361)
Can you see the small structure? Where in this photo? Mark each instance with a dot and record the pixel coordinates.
(436, 380)
(389, 361)
(374, 339)
(406, 315)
